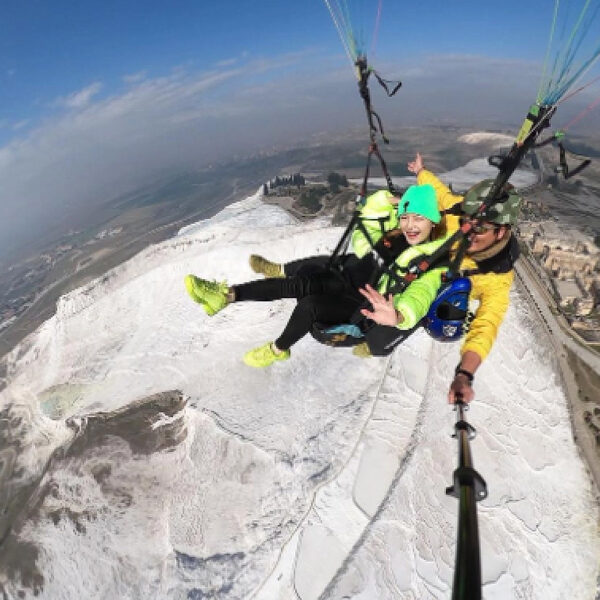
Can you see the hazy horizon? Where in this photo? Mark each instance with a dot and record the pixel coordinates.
(99, 104)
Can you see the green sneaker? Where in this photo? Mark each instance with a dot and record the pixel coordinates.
(362, 350)
(212, 295)
(264, 356)
(267, 268)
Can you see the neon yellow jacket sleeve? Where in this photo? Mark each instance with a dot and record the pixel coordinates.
(416, 299)
(445, 198)
(378, 216)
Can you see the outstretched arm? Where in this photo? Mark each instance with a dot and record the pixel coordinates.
(445, 197)
(492, 290)
(416, 166)
(461, 386)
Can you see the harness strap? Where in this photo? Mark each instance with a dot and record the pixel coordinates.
(453, 210)
(384, 84)
(420, 264)
(374, 126)
(363, 72)
(374, 150)
(468, 272)
(564, 167)
(342, 246)
(458, 258)
(547, 141)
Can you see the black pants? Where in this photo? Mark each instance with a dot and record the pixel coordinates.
(325, 296)
(305, 266)
(356, 271)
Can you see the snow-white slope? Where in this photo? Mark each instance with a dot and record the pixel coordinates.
(321, 476)
(462, 178)
(487, 137)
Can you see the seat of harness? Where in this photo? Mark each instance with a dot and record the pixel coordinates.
(346, 328)
(344, 334)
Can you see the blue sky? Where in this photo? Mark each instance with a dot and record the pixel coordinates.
(98, 97)
(52, 50)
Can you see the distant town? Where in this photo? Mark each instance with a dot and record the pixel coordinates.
(567, 262)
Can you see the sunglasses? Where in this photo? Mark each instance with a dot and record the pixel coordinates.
(477, 226)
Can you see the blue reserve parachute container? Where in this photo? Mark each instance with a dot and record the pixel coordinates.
(446, 320)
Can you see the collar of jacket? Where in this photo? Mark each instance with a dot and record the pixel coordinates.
(494, 249)
(499, 258)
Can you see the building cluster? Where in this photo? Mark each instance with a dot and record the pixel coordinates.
(572, 261)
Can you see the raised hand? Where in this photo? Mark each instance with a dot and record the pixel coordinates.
(383, 312)
(414, 166)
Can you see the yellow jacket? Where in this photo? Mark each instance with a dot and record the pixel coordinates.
(490, 289)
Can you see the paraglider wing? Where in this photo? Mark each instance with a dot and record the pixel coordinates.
(357, 23)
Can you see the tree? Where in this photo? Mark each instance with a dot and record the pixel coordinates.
(336, 178)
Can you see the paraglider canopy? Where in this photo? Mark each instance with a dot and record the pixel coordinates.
(573, 48)
(357, 23)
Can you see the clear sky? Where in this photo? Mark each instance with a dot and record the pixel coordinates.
(100, 96)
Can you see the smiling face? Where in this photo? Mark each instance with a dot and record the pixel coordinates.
(416, 228)
(484, 235)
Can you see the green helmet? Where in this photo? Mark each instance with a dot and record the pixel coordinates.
(504, 211)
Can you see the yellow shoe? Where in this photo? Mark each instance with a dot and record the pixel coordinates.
(210, 294)
(264, 356)
(362, 350)
(265, 267)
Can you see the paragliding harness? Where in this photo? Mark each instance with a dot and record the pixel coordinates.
(350, 334)
(447, 318)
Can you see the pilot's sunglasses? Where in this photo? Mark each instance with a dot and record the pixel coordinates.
(477, 226)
